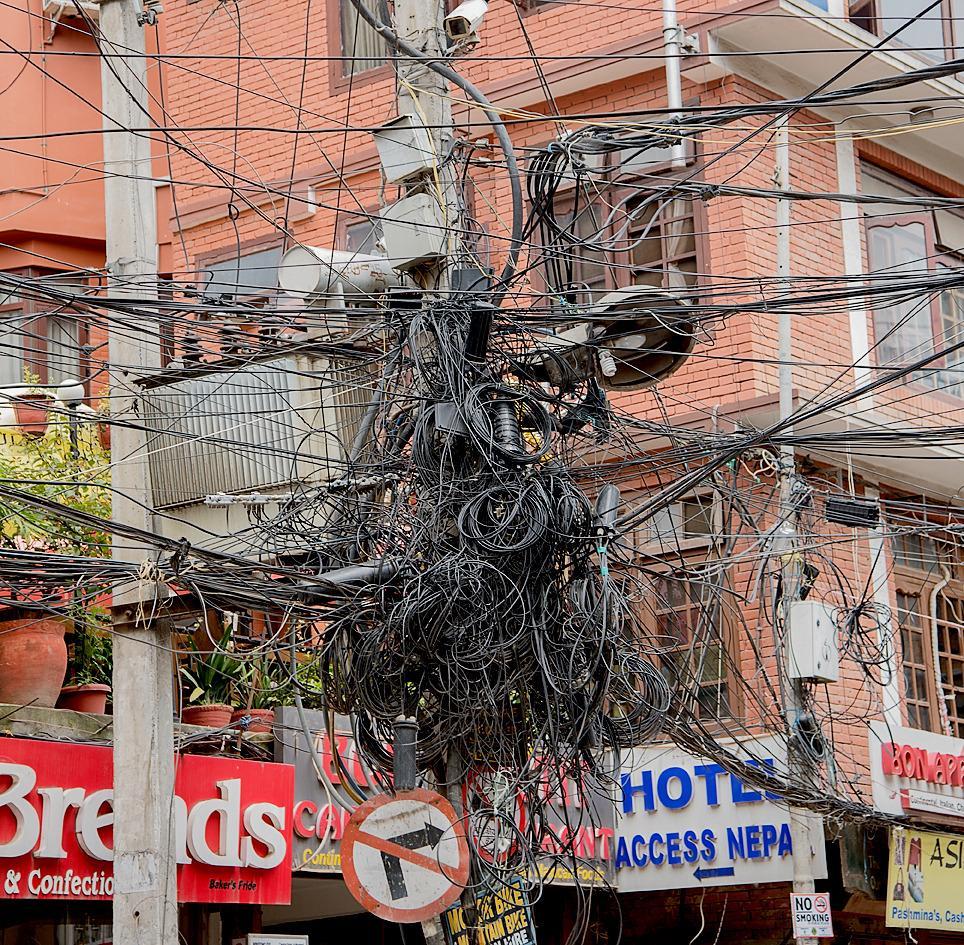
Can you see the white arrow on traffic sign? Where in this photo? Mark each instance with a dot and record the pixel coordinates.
(404, 856)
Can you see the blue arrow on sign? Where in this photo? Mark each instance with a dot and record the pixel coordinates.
(702, 874)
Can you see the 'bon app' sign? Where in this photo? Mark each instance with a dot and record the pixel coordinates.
(684, 821)
(232, 822)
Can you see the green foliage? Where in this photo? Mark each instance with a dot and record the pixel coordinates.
(210, 676)
(310, 684)
(93, 651)
(265, 682)
(46, 468)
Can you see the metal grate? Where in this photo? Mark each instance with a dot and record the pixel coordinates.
(243, 430)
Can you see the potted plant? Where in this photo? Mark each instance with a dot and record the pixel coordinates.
(209, 677)
(264, 683)
(33, 656)
(33, 619)
(92, 665)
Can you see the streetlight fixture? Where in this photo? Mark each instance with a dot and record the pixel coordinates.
(71, 394)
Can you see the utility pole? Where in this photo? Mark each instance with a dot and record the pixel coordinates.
(145, 882)
(790, 569)
(425, 95)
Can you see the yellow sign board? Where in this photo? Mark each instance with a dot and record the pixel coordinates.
(925, 880)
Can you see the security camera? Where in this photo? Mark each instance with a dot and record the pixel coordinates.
(462, 23)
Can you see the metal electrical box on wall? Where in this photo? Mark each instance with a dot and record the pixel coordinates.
(414, 231)
(812, 651)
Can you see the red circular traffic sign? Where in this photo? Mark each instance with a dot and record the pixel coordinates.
(404, 855)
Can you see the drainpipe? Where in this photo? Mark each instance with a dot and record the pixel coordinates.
(935, 662)
(673, 48)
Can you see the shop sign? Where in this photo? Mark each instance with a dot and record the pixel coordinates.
(916, 771)
(811, 915)
(924, 880)
(584, 822)
(502, 918)
(684, 821)
(319, 820)
(232, 825)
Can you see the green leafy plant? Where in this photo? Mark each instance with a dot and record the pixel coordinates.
(264, 683)
(93, 662)
(310, 684)
(52, 470)
(210, 676)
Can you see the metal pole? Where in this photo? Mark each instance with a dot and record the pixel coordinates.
(672, 49)
(404, 768)
(72, 430)
(145, 890)
(790, 572)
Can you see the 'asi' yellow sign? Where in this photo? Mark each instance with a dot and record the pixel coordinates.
(925, 880)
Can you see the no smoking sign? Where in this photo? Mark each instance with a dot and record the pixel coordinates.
(811, 915)
(404, 856)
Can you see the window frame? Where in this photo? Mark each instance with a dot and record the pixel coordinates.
(248, 248)
(692, 647)
(920, 582)
(935, 257)
(617, 191)
(682, 558)
(36, 314)
(339, 78)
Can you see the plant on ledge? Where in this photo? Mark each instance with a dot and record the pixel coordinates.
(209, 677)
(34, 618)
(264, 682)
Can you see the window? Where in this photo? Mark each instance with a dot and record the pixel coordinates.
(913, 240)
(363, 236)
(13, 348)
(624, 233)
(690, 523)
(42, 337)
(63, 349)
(366, 49)
(917, 681)
(692, 652)
(251, 276)
(950, 655)
(924, 565)
(932, 35)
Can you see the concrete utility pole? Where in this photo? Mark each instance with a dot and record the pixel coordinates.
(425, 95)
(790, 570)
(145, 890)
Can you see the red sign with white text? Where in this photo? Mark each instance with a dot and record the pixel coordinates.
(232, 823)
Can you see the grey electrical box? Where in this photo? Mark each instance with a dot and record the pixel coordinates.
(812, 651)
(414, 232)
(404, 148)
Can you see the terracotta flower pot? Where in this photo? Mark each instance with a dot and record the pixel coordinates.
(33, 659)
(89, 698)
(103, 434)
(215, 715)
(262, 720)
(31, 411)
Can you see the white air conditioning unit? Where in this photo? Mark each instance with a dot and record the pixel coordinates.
(342, 292)
(266, 428)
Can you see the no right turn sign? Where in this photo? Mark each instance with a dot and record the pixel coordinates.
(811, 915)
